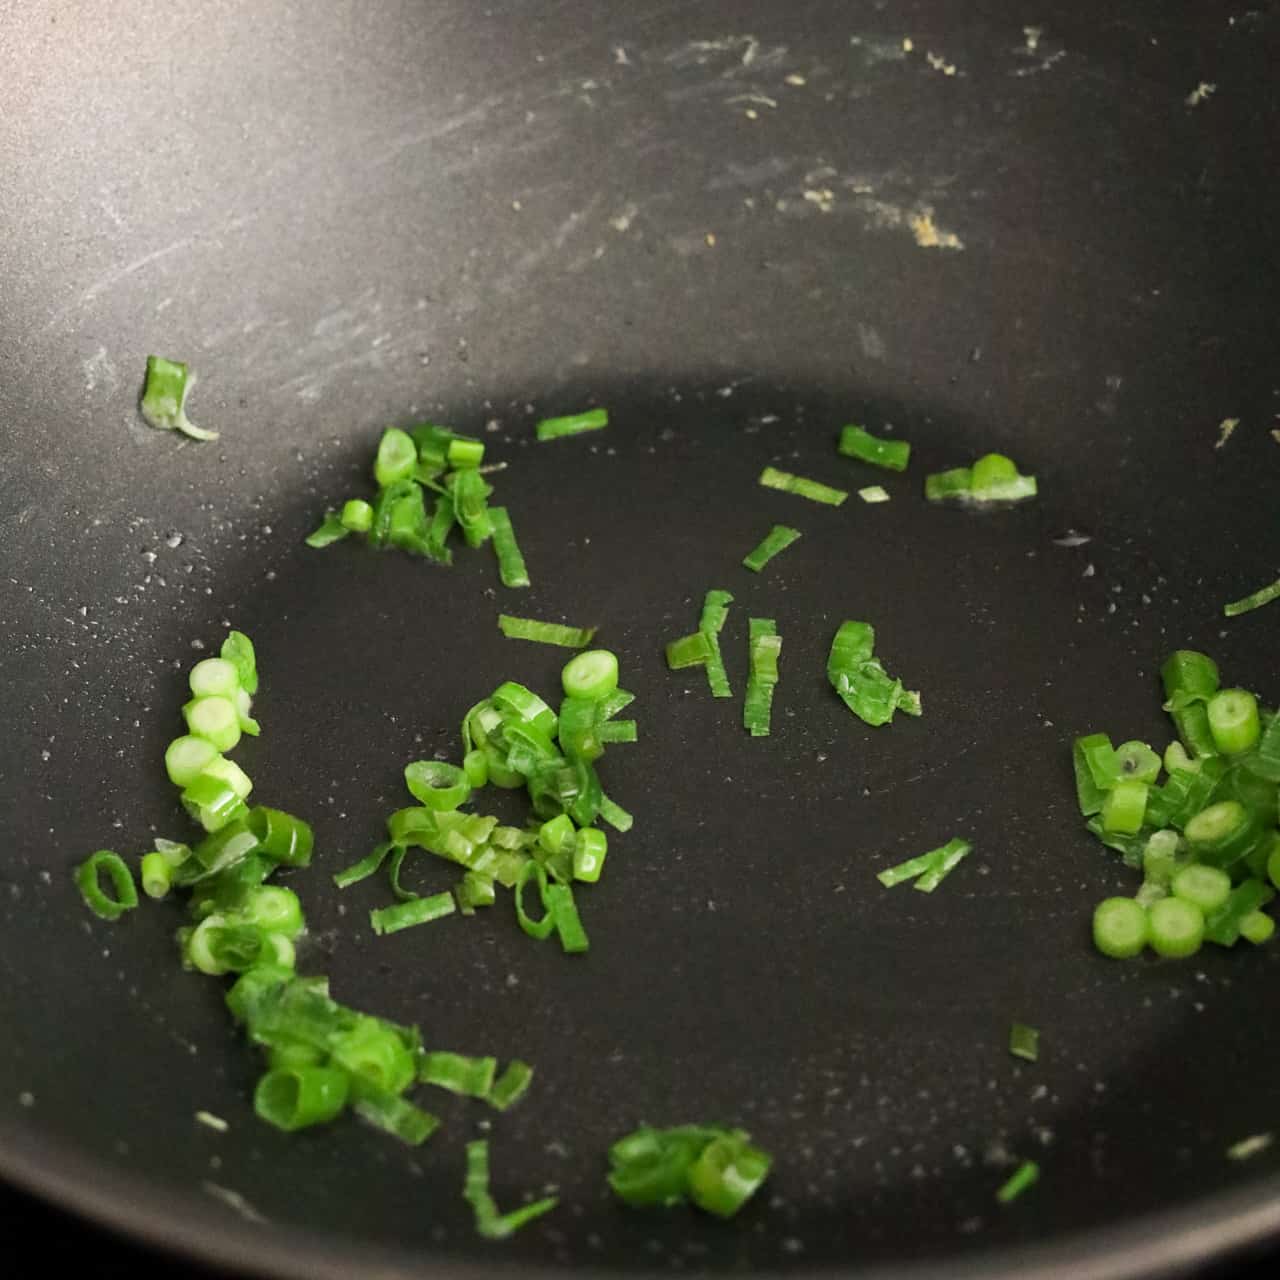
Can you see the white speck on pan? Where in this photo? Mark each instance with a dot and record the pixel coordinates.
(1201, 93)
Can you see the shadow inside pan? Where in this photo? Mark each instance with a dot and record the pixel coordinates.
(746, 967)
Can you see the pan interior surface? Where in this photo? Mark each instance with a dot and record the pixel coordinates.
(375, 232)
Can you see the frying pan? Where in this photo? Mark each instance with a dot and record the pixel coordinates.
(1003, 226)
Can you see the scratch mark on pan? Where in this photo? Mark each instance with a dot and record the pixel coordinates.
(438, 130)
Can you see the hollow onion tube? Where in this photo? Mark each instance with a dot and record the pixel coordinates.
(124, 893)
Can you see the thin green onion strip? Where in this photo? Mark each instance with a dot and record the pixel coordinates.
(715, 612)
(772, 478)
(404, 915)
(468, 1077)
(778, 539)
(573, 424)
(855, 442)
(511, 566)
(510, 1086)
(874, 493)
(928, 869)
(693, 650)
(489, 1222)
(1023, 1178)
(545, 632)
(1254, 600)
(765, 646)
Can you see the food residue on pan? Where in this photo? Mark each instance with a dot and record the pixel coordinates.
(1225, 428)
(927, 233)
(1201, 93)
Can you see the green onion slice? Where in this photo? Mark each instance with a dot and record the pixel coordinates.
(764, 647)
(238, 650)
(124, 893)
(545, 632)
(573, 424)
(693, 650)
(511, 1085)
(1024, 1177)
(931, 868)
(772, 478)
(715, 610)
(404, 915)
(469, 1077)
(366, 867)
(299, 1097)
(331, 530)
(438, 786)
(164, 398)
(778, 539)
(861, 680)
(491, 1224)
(1255, 600)
(511, 566)
(857, 443)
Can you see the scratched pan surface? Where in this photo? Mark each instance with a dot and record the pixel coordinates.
(738, 226)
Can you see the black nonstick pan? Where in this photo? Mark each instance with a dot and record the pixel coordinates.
(1045, 229)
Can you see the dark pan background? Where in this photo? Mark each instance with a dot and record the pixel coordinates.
(345, 216)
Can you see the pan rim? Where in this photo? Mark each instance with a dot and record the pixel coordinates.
(1164, 1244)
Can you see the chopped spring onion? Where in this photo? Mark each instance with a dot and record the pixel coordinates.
(779, 538)
(1024, 1177)
(765, 646)
(615, 815)
(573, 424)
(538, 929)
(366, 867)
(214, 719)
(715, 611)
(330, 530)
(1255, 600)
(874, 493)
(589, 851)
(1176, 927)
(592, 675)
(1204, 887)
(511, 566)
(356, 515)
(440, 787)
(1190, 679)
(281, 836)
(1222, 926)
(861, 680)
(124, 893)
(491, 1224)
(931, 868)
(993, 478)
(772, 478)
(231, 773)
(470, 1077)
(689, 651)
(718, 1169)
(1120, 928)
(1024, 1042)
(857, 443)
(213, 677)
(299, 1097)
(404, 915)
(727, 1174)
(1136, 761)
(1097, 771)
(212, 803)
(186, 758)
(511, 1085)
(156, 873)
(396, 459)
(1124, 807)
(395, 1115)
(164, 398)
(1222, 834)
(545, 632)
(1257, 927)
(1233, 721)
(558, 900)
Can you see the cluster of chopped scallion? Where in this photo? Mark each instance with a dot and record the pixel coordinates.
(1205, 838)
(409, 465)
(513, 739)
(323, 1058)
